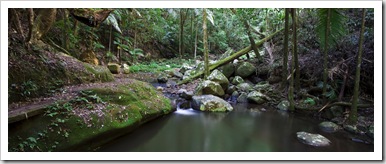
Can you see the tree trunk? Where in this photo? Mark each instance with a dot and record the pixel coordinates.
(111, 31)
(229, 58)
(191, 31)
(181, 42)
(353, 113)
(295, 51)
(254, 48)
(325, 55)
(205, 41)
(285, 56)
(291, 86)
(16, 22)
(195, 42)
(31, 18)
(44, 21)
(75, 27)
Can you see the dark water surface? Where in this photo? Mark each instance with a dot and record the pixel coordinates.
(247, 128)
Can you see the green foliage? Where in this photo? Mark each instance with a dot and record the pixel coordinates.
(29, 88)
(336, 26)
(309, 101)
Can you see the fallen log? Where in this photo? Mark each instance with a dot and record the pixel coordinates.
(229, 58)
(341, 103)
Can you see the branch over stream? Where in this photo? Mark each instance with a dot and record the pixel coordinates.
(229, 58)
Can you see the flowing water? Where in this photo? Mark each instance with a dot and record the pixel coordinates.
(248, 128)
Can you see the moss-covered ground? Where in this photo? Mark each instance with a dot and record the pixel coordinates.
(96, 116)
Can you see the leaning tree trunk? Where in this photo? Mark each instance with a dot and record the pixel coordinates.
(229, 58)
(205, 41)
(285, 56)
(44, 21)
(325, 54)
(353, 113)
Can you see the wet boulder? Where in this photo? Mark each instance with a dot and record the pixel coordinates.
(114, 68)
(227, 69)
(351, 128)
(217, 76)
(208, 87)
(283, 105)
(237, 80)
(183, 93)
(257, 97)
(312, 139)
(162, 78)
(210, 103)
(244, 87)
(243, 98)
(328, 126)
(245, 69)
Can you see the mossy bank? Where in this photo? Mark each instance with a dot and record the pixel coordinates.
(41, 70)
(95, 117)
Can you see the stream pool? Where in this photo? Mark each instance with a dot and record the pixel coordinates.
(248, 128)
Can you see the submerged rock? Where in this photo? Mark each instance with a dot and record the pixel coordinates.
(210, 103)
(312, 139)
(283, 105)
(328, 126)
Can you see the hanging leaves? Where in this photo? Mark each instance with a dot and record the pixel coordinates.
(209, 16)
(112, 20)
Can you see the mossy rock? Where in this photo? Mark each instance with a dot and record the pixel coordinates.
(114, 68)
(91, 119)
(89, 56)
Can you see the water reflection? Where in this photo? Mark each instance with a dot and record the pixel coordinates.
(247, 128)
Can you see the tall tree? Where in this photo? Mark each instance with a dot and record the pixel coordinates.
(325, 53)
(353, 113)
(181, 37)
(330, 27)
(291, 86)
(205, 41)
(285, 56)
(295, 50)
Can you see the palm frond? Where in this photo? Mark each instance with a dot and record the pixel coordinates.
(335, 25)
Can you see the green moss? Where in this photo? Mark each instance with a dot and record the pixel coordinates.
(101, 73)
(126, 106)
